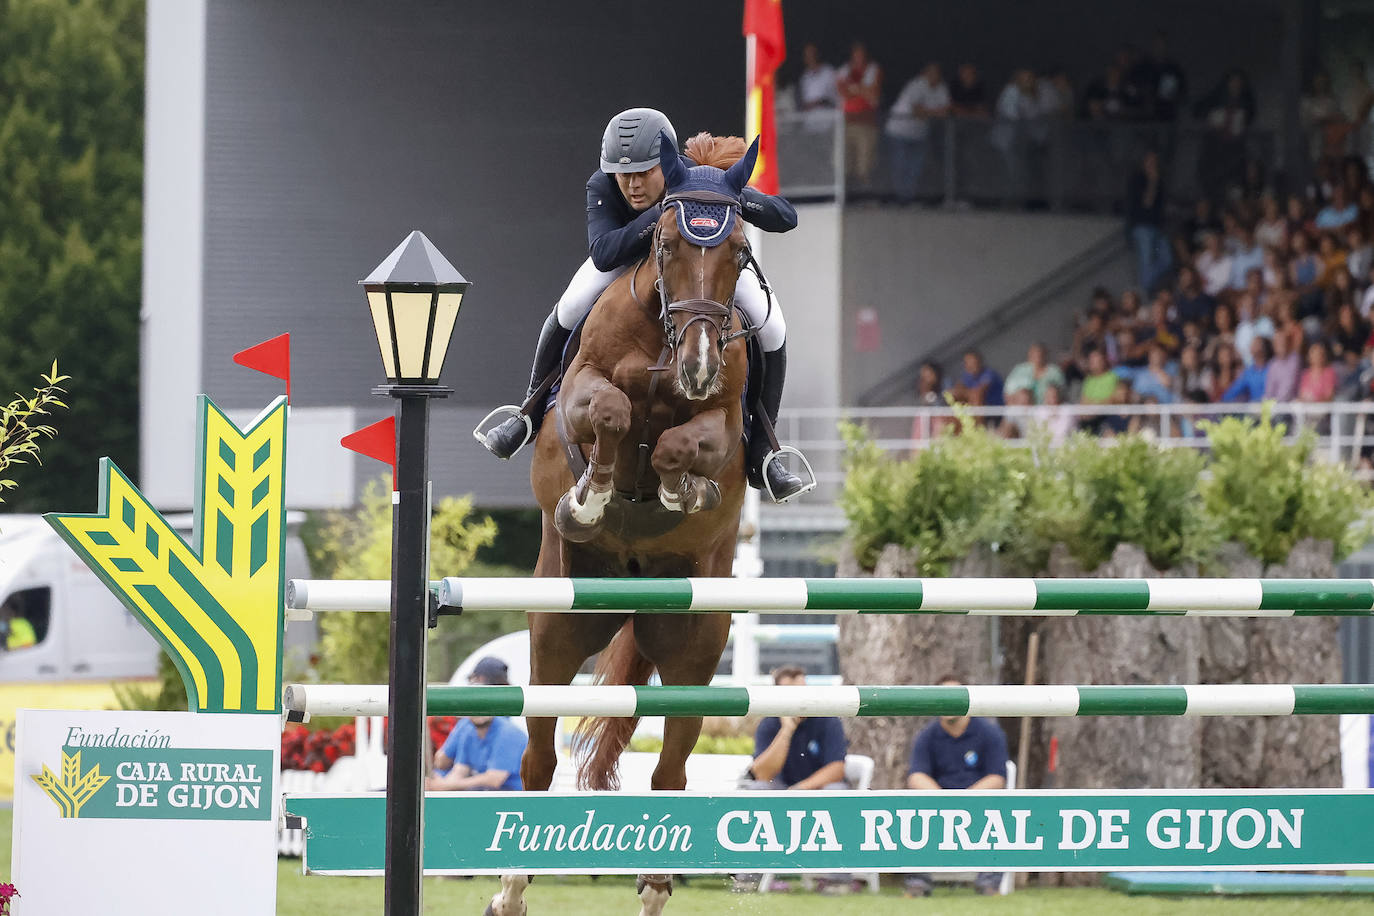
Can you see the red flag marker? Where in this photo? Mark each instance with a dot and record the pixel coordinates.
(272, 357)
(375, 441)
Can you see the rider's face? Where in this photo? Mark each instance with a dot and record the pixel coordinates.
(641, 189)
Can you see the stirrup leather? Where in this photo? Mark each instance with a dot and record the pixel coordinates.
(479, 432)
(776, 455)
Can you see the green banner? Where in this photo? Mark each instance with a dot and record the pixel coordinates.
(191, 784)
(678, 832)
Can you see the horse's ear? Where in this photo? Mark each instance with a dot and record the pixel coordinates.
(737, 175)
(674, 172)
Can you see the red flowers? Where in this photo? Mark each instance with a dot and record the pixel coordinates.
(7, 893)
(302, 749)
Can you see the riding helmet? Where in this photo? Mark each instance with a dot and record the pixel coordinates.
(630, 143)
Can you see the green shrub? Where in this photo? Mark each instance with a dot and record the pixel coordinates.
(1092, 494)
(1268, 494)
(961, 492)
(972, 489)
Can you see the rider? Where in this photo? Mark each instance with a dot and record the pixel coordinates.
(623, 206)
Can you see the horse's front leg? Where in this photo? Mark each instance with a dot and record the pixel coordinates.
(600, 413)
(686, 459)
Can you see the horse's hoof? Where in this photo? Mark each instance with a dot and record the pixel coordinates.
(706, 496)
(569, 527)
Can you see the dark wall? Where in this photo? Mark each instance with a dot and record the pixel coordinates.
(334, 129)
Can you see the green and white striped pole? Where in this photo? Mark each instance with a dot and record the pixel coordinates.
(1142, 700)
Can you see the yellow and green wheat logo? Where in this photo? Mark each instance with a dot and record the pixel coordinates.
(216, 607)
(74, 789)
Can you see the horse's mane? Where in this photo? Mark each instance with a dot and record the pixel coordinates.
(720, 152)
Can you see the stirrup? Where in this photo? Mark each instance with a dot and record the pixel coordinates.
(484, 426)
(776, 455)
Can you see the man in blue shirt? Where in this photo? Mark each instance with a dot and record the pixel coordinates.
(482, 752)
(798, 752)
(958, 752)
(1249, 385)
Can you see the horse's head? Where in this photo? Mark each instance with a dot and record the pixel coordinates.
(699, 249)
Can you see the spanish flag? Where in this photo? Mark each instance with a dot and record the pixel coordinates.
(763, 31)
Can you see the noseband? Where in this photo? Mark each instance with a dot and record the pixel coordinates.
(717, 314)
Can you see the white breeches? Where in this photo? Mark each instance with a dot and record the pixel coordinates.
(589, 283)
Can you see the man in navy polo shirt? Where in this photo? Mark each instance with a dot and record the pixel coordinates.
(482, 752)
(798, 752)
(958, 752)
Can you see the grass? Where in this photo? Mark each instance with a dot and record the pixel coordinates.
(299, 895)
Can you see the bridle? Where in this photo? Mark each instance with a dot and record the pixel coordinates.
(720, 315)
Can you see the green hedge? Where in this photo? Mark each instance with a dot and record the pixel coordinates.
(970, 489)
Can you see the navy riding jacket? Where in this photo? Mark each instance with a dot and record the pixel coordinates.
(617, 235)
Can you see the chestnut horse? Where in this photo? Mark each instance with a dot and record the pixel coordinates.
(650, 415)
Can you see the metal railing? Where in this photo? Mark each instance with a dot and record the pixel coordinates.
(1344, 431)
(1057, 163)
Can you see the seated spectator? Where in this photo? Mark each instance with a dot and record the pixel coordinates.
(1191, 302)
(1119, 423)
(1286, 325)
(1304, 267)
(1246, 256)
(1275, 273)
(1199, 223)
(1272, 229)
(1318, 383)
(957, 753)
(1036, 373)
(908, 128)
(1099, 381)
(798, 752)
(1350, 383)
(1360, 254)
(1295, 215)
(930, 384)
(816, 87)
(1347, 331)
(1284, 369)
(1053, 417)
(1339, 213)
(860, 84)
(1193, 381)
(1223, 331)
(977, 385)
(1213, 264)
(1251, 324)
(1016, 423)
(482, 753)
(1250, 384)
(1226, 367)
(1160, 331)
(1367, 299)
(968, 97)
(1332, 257)
(1127, 359)
(1132, 310)
(1192, 336)
(1340, 292)
(1157, 379)
(1091, 334)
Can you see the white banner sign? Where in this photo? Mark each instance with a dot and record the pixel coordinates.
(175, 810)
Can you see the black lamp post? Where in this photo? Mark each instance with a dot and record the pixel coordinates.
(414, 296)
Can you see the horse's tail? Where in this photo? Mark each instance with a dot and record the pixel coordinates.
(599, 741)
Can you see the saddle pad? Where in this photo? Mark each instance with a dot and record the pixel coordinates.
(705, 224)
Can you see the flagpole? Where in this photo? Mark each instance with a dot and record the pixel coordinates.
(748, 549)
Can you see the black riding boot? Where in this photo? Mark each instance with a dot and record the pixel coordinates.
(506, 439)
(782, 483)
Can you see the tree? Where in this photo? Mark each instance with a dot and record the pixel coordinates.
(20, 428)
(71, 142)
